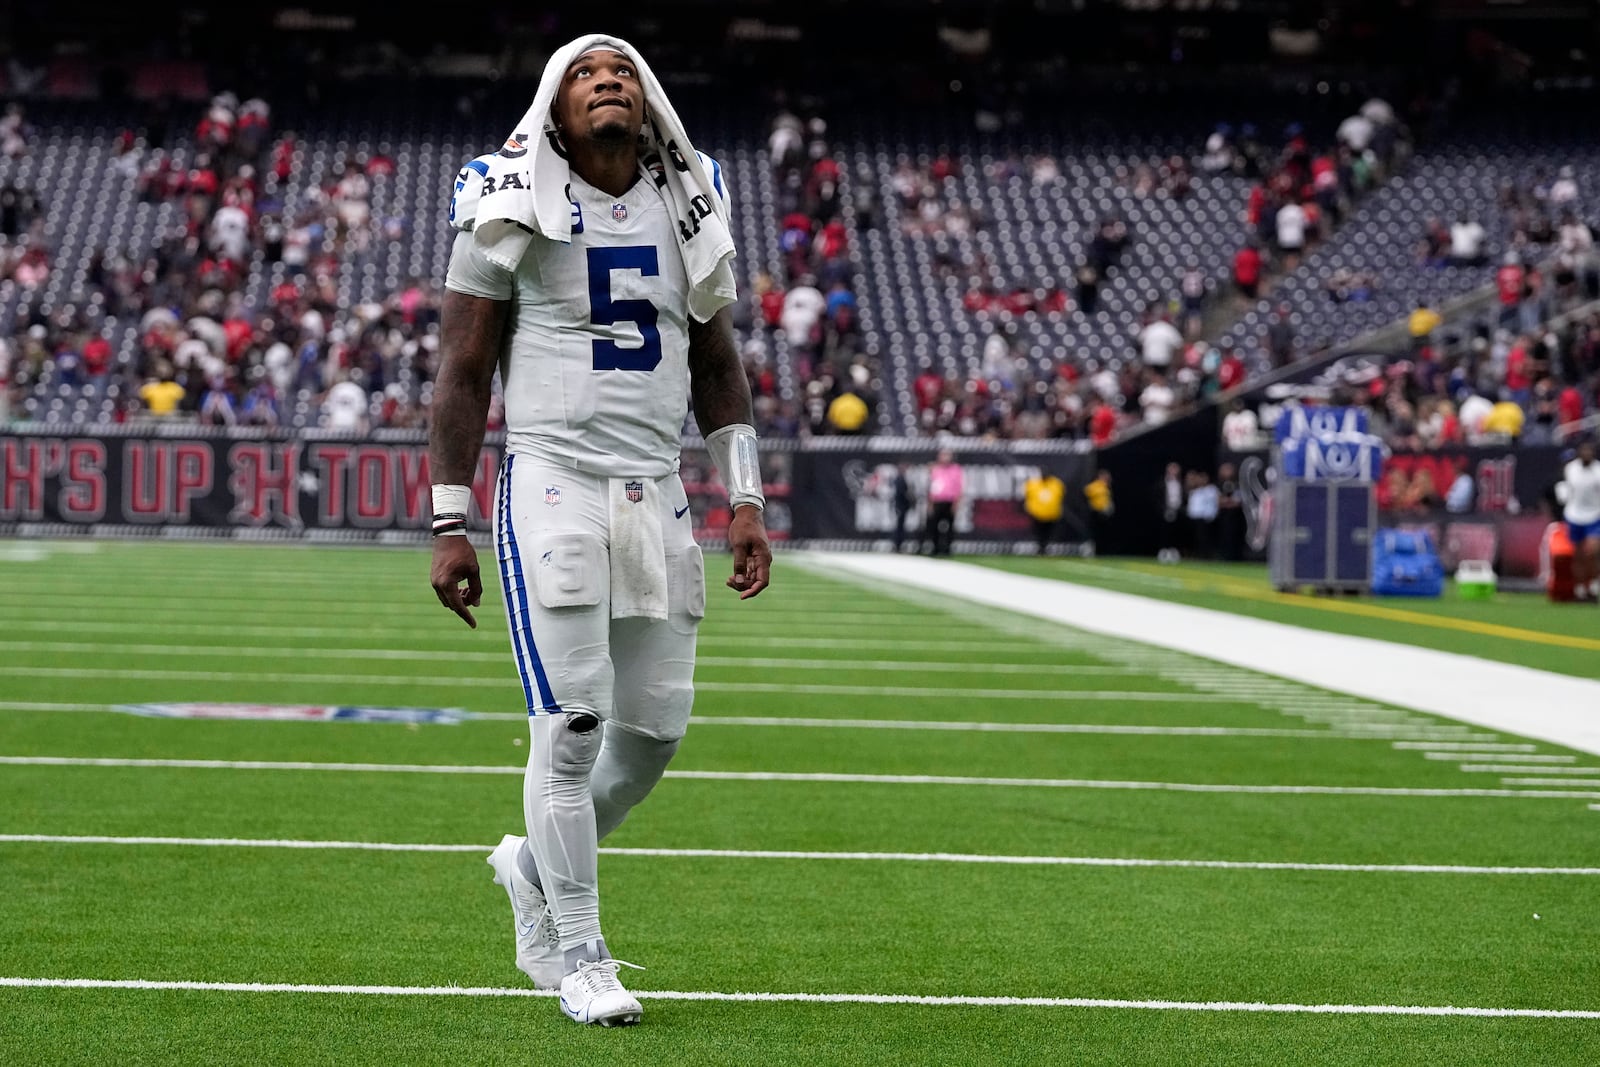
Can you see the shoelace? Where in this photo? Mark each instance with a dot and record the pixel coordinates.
(599, 977)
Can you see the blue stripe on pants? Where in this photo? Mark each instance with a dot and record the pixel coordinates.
(516, 591)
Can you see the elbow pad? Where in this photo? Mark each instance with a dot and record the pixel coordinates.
(733, 450)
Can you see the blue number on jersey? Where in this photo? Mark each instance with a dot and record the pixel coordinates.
(604, 311)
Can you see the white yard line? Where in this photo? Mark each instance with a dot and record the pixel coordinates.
(1498, 757)
(290, 677)
(1465, 746)
(452, 656)
(447, 634)
(1115, 695)
(178, 651)
(799, 776)
(294, 677)
(1531, 768)
(1359, 732)
(1542, 705)
(147, 627)
(1039, 727)
(792, 854)
(815, 998)
(1570, 783)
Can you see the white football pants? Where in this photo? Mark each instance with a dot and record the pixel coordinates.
(607, 699)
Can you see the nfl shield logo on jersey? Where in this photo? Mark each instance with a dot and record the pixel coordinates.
(552, 495)
(619, 212)
(634, 491)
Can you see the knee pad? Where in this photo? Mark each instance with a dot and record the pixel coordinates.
(574, 742)
(633, 765)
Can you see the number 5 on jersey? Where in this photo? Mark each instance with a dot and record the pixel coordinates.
(604, 311)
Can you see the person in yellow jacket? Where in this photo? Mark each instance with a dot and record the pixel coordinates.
(1043, 497)
(1504, 418)
(1098, 495)
(847, 413)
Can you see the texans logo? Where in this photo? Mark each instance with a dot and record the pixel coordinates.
(513, 148)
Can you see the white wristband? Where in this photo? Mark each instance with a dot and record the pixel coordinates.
(733, 450)
(451, 505)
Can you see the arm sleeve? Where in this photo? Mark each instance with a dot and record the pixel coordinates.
(473, 274)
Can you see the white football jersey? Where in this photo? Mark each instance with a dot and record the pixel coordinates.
(596, 367)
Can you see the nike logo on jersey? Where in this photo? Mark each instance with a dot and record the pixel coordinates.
(679, 513)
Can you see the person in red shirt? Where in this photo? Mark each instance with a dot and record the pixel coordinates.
(927, 387)
(1256, 204)
(1508, 281)
(96, 357)
(831, 243)
(1230, 371)
(1247, 270)
(1518, 378)
(1102, 423)
(1569, 405)
(238, 333)
(283, 158)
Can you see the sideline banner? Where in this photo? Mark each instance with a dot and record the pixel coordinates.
(184, 481)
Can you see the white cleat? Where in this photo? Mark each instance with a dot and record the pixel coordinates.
(594, 994)
(538, 948)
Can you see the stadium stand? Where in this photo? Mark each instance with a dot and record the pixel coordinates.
(937, 275)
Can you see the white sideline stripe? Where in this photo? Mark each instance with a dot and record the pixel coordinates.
(799, 776)
(1362, 732)
(791, 854)
(1464, 746)
(1568, 782)
(1594, 807)
(1533, 768)
(1547, 707)
(1500, 757)
(815, 998)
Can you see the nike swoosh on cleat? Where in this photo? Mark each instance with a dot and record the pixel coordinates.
(679, 513)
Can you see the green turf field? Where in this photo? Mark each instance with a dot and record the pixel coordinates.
(1060, 848)
(1516, 627)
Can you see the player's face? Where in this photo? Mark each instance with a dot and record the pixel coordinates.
(601, 98)
(1586, 453)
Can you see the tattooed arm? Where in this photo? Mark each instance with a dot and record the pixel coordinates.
(717, 384)
(471, 329)
(721, 395)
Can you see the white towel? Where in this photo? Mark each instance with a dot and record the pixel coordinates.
(529, 177)
(638, 552)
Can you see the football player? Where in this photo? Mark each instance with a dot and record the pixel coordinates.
(599, 358)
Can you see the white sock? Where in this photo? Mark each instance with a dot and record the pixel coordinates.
(560, 817)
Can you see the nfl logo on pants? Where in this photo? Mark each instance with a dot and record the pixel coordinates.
(634, 491)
